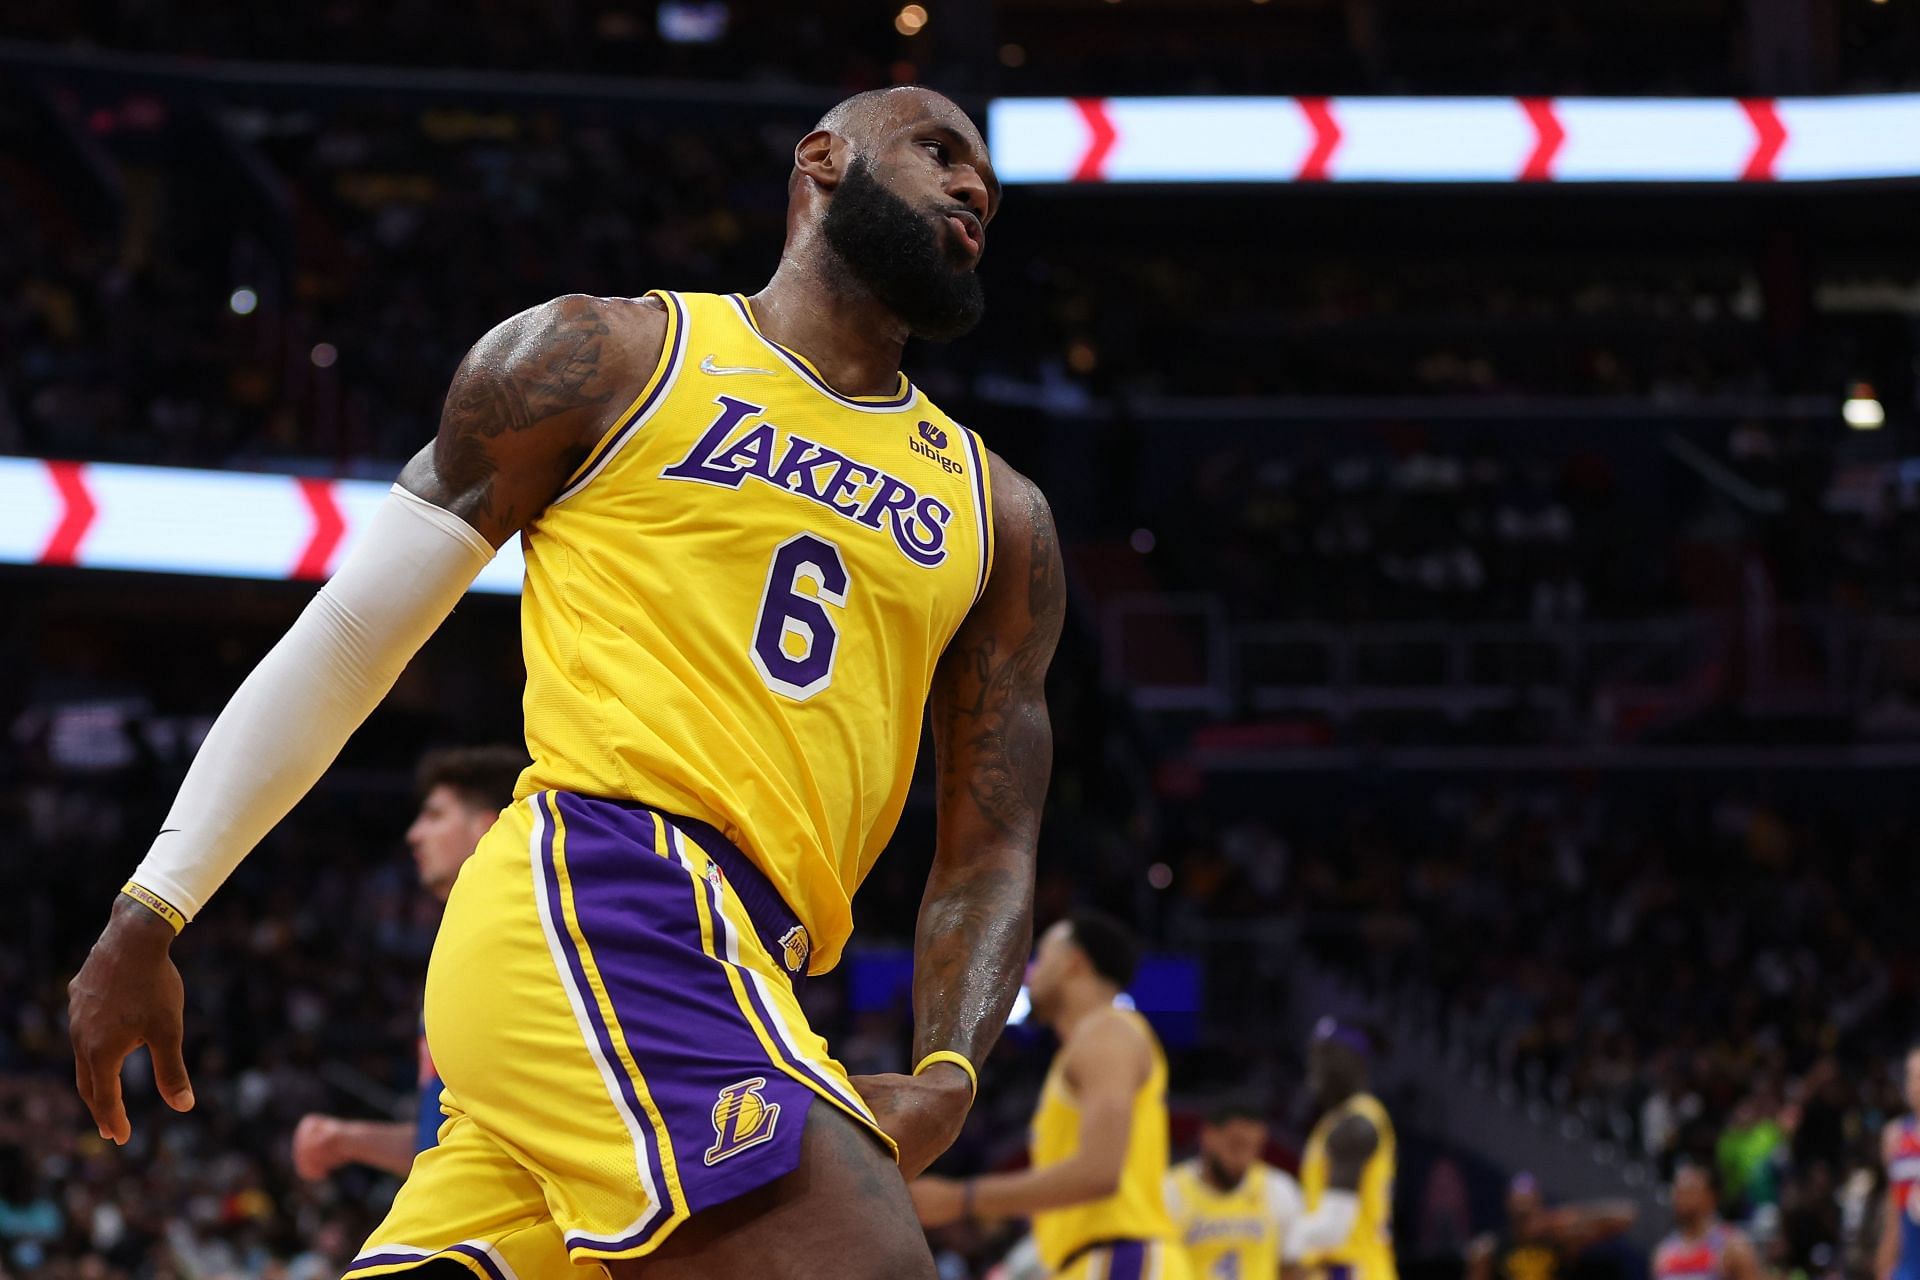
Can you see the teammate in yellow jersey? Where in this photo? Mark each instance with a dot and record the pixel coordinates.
(1100, 1134)
(1232, 1209)
(1346, 1174)
(755, 552)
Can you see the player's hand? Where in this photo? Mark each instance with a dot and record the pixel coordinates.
(127, 994)
(923, 1114)
(319, 1145)
(939, 1202)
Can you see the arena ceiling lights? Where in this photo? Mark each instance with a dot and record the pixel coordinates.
(227, 524)
(1454, 140)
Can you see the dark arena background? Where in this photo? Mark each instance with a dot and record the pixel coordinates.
(1485, 439)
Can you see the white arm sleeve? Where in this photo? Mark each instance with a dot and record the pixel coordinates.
(1176, 1203)
(1283, 1200)
(291, 716)
(1327, 1227)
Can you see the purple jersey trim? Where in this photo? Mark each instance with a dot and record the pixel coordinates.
(415, 1257)
(981, 506)
(1128, 1261)
(669, 368)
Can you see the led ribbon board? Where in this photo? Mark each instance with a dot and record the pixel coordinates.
(1461, 140)
(227, 524)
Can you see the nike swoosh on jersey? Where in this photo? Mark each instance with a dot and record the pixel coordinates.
(708, 366)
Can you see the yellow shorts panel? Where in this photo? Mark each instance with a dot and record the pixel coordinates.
(615, 1033)
(477, 1206)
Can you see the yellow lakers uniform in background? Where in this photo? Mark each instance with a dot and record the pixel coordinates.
(1127, 1235)
(1237, 1234)
(1368, 1252)
(731, 620)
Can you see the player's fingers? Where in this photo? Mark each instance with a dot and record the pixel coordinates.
(108, 1107)
(170, 1069)
(83, 1083)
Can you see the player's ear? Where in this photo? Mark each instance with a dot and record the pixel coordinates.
(821, 157)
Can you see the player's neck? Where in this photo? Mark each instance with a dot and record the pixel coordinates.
(1077, 1006)
(843, 330)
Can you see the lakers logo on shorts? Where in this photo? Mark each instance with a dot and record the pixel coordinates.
(742, 1118)
(794, 947)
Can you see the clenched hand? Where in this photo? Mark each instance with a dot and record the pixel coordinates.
(923, 1114)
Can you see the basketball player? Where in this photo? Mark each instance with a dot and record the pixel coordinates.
(1541, 1243)
(1899, 1254)
(1232, 1209)
(1346, 1174)
(1094, 1191)
(462, 790)
(1701, 1246)
(754, 552)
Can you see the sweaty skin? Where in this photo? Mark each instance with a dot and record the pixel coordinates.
(525, 407)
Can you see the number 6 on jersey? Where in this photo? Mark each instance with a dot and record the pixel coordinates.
(795, 637)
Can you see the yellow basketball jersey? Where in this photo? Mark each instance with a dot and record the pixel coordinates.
(1228, 1235)
(1368, 1252)
(1138, 1210)
(734, 608)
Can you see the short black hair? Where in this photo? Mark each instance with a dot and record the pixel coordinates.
(1226, 1110)
(1107, 944)
(483, 777)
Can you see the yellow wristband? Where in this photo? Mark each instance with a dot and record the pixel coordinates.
(156, 904)
(958, 1060)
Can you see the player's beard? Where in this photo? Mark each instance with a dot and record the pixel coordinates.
(1220, 1175)
(895, 252)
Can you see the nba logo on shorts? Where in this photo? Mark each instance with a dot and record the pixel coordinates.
(742, 1118)
(793, 949)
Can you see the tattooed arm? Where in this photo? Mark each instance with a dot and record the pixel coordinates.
(993, 750)
(527, 404)
(993, 754)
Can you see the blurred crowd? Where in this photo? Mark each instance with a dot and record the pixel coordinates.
(288, 1012)
(1384, 524)
(1698, 973)
(201, 331)
(1032, 46)
(231, 282)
